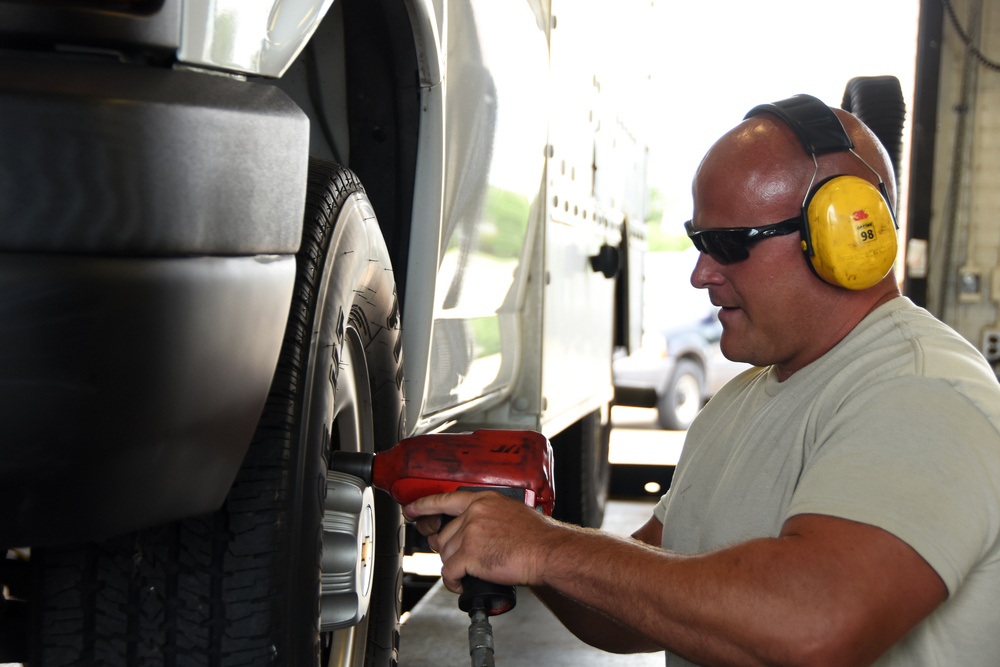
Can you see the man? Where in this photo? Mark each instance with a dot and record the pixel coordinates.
(839, 505)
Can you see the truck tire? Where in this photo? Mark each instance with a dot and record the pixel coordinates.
(242, 586)
(681, 402)
(582, 471)
(878, 102)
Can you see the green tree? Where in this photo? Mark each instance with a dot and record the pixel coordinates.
(662, 239)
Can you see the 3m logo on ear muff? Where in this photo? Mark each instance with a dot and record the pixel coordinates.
(848, 225)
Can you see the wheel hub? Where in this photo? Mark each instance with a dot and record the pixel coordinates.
(348, 558)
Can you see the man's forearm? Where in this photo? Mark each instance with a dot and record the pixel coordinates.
(826, 591)
(801, 598)
(653, 594)
(592, 626)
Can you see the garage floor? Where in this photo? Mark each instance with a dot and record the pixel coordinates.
(436, 632)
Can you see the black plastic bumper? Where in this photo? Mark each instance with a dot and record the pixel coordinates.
(103, 157)
(129, 389)
(148, 220)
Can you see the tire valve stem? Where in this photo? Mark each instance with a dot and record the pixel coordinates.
(481, 638)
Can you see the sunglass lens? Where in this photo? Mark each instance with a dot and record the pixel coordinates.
(725, 247)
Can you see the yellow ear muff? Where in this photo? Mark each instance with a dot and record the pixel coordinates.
(851, 234)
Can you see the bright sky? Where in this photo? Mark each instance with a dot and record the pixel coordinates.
(719, 58)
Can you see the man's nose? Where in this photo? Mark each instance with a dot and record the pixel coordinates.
(706, 271)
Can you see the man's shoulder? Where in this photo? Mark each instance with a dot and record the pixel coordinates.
(905, 351)
(900, 331)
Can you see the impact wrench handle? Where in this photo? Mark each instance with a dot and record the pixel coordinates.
(494, 599)
(482, 599)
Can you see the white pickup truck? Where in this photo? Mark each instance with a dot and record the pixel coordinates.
(238, 236)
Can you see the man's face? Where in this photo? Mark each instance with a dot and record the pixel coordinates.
(771, 303)
(761, 298)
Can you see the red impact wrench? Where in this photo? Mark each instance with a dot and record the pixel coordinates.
(515, 463)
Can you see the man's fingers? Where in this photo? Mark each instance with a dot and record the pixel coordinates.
(429, 525)
(452, 568)
(452, 584)
(452, 504)
(483, 538)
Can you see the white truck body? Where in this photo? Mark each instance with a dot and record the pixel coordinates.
(279, 230)
(519, 337)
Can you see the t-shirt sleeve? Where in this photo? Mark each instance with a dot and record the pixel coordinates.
(916, 459)
(660, 509)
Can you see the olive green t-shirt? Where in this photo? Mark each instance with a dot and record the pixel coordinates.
(898, 426)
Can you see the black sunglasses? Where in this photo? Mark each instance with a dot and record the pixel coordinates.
(732, 244)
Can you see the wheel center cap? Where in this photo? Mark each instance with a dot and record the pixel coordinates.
(348, 551)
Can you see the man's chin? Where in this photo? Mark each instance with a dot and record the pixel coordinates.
(732, 351)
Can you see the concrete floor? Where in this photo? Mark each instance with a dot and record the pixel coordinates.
(436, 632)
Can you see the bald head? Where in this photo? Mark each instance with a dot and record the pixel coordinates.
(765, 157)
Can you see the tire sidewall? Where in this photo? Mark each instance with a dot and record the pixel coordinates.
(355, 298)
(582, 470)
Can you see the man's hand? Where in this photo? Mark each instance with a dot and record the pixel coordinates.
(502, 540)
(491, 537)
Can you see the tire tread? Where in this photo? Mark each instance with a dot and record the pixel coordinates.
(203, 590)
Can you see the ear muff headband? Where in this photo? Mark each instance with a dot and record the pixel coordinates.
(848, 226)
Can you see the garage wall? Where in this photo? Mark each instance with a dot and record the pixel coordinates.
(962, 274)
